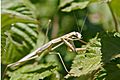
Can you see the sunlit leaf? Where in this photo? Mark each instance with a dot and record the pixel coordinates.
(87, 64)
(9, 3)
(31, 7)
(65, 2)
(115, 6)
(13, 17)
(75, 6)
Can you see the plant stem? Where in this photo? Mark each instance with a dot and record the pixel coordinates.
(113, 15)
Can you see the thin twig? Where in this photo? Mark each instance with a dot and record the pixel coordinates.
(113, 15)
(48, 24)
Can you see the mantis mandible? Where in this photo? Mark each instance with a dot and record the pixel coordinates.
(65, 39)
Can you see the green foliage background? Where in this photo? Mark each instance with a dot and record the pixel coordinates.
(24, 27)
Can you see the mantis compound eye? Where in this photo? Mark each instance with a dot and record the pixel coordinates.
(78, 35)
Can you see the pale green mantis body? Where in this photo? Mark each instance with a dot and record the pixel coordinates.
(67, 39)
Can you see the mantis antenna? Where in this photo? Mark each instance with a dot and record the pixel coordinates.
(80, 30)
(84, 22)
(76, 20)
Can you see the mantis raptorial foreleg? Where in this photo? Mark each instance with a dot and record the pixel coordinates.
(69, 45)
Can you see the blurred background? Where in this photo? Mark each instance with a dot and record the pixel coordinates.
(28, 24)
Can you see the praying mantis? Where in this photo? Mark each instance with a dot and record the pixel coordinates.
(52, 45)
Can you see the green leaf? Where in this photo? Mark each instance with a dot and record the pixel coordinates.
(31, 7)
(117, 34)
(65, 2)
(115, 6)
(110, 71)
(9, 17)
(110, 57)
(86, 65)
(9, 3)
(113, 71)
(75, 6)
(10, 52)
(17, 42)
(111, 50)
(110, 46)
(26, 28)
(33, 72)
(15, 12)
(18, 39)
(22, 34)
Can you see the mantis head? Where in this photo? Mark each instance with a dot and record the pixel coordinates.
(76, 36)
